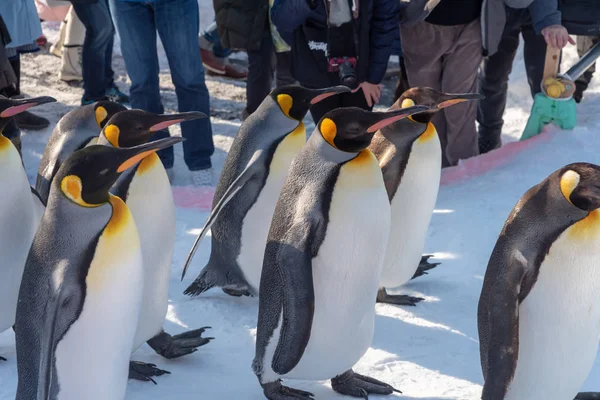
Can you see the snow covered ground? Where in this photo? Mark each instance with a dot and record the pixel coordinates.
(430, 351)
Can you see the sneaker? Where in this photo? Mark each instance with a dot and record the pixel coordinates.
(212, 63)
(235, 72)
(170, 174)
(114, 94)
(203, 177)
(27, 120)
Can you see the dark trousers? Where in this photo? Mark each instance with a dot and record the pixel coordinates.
(96, 57)
(341, 100)
(493, 76)
(262, 64)
(177, 23)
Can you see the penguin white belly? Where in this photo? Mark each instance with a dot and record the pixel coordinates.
(92, 359)
(412, 207)
(17, 229)
(559, 320)
(346, 272)
(256, 224)
(150, 200)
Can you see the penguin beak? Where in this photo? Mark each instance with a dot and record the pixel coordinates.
(133, 155)
(22, 105)
(322, 94)
(168, 120)
(386, 118)
(459, 98)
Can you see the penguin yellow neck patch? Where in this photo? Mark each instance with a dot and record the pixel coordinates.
(147, 164)
(101, 115)
(586, 229)
(111, 133)
(71, 186)
(328, 131)
(285, 102)
(429, 134)
(121, 216)
(568, 183)
(5, 143)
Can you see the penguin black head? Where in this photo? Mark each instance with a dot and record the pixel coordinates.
(133, 127)
(88, 174)
(105, 110)
(433, 99)
(11, 107)
(351, 129)
(295, 100)
(580, 184)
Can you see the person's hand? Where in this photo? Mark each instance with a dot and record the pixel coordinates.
(372, 92)
(557, 36)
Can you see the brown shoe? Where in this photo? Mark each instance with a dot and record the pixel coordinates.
(235, 71)
(212, 63)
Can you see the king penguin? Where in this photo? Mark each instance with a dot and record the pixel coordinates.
(81, 293)
(146, 190)
(76, 129)
(539, 310)
(410, 154)
(19, 216)
(248, 189)
(323, 260)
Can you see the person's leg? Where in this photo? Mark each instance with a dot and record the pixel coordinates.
(493, 84)
(72, 48)
(178, 22)
(460, 76)
(260, 74)
(584, 43)
(137, 31)
(98, 36)
(212, 37)
(283, 74)
(534, 53)
(423, 46)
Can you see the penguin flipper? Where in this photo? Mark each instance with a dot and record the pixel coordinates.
(498, 323)
(588, 396)
(246, 175)
(293, 294)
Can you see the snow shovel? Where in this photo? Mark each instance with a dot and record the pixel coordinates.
(555, 103)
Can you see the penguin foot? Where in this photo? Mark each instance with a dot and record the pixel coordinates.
(399, 299)
(588, 396)
(424, 266)
(144, 371)
(276, 391)
(236, 291)
(179, 345)
(352, 384)
(3, 359)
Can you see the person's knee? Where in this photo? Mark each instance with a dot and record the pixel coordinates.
(102, 32)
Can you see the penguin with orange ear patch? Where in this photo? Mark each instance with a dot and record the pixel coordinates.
(146, 190)
(76, 129)
(410, 157)
(323, 260)
(248, 188)
(539, 309)
(81, 292)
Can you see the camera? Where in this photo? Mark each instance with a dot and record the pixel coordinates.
(346, 68)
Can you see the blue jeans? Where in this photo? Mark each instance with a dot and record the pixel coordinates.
(96, 58)
(177, 23)
(212, 35)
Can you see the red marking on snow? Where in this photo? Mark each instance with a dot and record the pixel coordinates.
(481, 164)
(194, 197)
